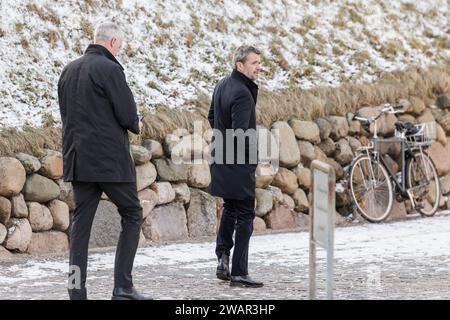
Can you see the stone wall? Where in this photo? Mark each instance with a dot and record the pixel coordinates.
(36, 205)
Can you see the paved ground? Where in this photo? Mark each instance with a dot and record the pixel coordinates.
(401, 260)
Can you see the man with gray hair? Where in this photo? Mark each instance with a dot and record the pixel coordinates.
(233, 108)
(97, 111)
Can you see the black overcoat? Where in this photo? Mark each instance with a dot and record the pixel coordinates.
(97, 108)
(233, 107)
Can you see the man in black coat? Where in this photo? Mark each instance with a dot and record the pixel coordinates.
(234, 160)
(97, 108)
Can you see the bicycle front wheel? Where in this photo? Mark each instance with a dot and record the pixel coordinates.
(371, 189)
(423, 183)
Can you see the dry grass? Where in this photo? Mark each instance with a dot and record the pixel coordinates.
(272, 106)
(45, 13)
(30, 140)
(87, 28)
(218, 25)
(278, 56)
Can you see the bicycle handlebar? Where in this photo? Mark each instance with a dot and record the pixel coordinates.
(386, 109)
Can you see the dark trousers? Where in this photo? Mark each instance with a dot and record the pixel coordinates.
(237, 216)
(125, 197)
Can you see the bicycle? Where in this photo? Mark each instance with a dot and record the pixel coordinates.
(371, 181)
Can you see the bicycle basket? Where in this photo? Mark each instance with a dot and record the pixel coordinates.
(425, 134)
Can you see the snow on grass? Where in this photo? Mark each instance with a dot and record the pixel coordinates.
(174, 48)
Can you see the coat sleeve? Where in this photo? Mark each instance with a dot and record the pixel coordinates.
(121, 97)
(211, 112)
(241, 109)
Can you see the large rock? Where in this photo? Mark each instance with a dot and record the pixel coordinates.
(5, 255)
(443, 118)
(288, 202)
(259, 225)
(148, 199)
(106, 226)
(354, 143)
(440, 135)
(182, 192)
(303, 177)
(166, 223)
(168, 171)
(391, 164)
(66, 194)
(320, 155)
(300, 200)
(264, 202)
(208, 135)
(286, 180)
(265, 173)
(307, 152)
(306, 130)
(140, 155)
(201, 215)
(40, 189)
(199, 175)
(398, 211)
(19, 235)
(443, 101)
(445, 184)
(12, 176)
(51, 242)
(3, 233)
(339, 127)
(324, 128)
(5, 210)
(355, 127)
(188, 148)
(60, 213)
(339, 171)
(170, 141)
(417, 105)
(30, 163)
(52, 165)
(327, 146)
(441, 158)
(40, 217)
(385, 124)
(145, 175)
(280, 218)
(154, 147)
(289, 152)
(19, 207)
(427, 116)
(164, 191)
(343, 154)
(277, 194)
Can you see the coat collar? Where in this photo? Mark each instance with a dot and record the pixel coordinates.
(99, 49)
(250, 84)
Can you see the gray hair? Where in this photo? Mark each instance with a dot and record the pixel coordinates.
(106, 31)
(241, 53)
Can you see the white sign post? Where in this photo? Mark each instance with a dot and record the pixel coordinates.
(321, 228)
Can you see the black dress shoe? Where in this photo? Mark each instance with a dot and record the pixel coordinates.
(127, 294)
(223, 269)
(244, 282)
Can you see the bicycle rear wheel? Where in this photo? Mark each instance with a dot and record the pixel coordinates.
(371, 189)
(423, 182)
